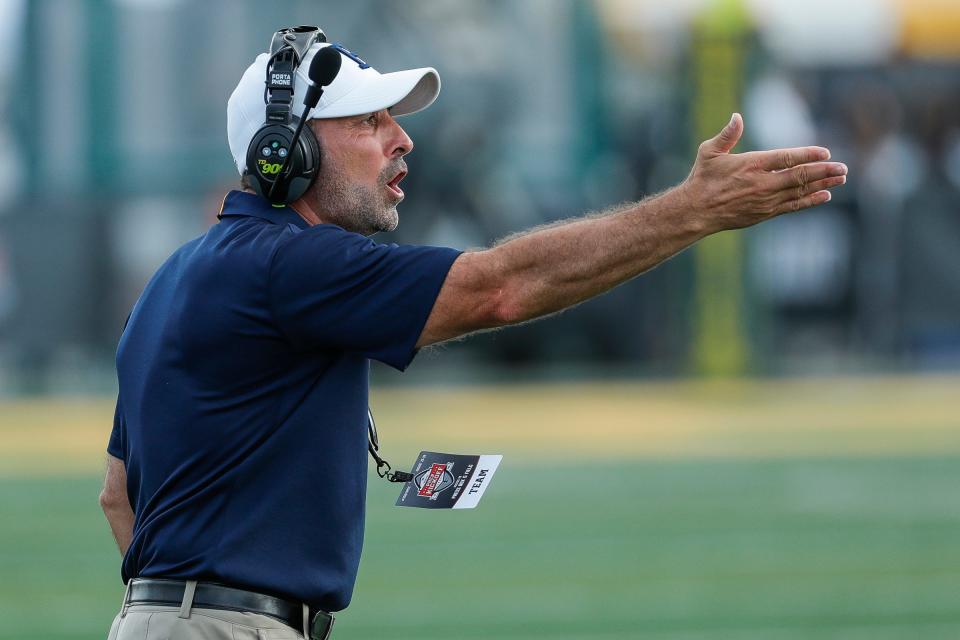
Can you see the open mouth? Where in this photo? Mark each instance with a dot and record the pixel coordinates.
(394, 185)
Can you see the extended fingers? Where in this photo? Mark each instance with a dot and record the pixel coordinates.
(796, 193)
(796, 204)
(779, 159)
(806, 173)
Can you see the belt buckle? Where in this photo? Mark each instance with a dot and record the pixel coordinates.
(321, 625)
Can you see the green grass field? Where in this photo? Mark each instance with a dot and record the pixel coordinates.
(829, 523)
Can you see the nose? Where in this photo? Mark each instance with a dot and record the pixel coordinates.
(400, 142)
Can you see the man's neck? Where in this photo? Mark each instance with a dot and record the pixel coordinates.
(303, 209)
(306, 212)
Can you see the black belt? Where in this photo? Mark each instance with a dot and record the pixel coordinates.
(169, 593)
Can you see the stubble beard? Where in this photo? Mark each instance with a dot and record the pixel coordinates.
(355, 207)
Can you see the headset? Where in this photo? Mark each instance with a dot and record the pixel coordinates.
(283, 158)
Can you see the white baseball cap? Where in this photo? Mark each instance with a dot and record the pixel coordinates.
(357, 89)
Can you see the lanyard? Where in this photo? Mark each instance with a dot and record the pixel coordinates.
(373, 446)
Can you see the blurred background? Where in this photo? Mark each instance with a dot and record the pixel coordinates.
(760, 438)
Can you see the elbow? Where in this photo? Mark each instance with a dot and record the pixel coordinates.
(114, 499)
(110, 501)
(494, 301)
(507, 308)
(106, 502)
(482, 294)
(513, 300)
(506, 313)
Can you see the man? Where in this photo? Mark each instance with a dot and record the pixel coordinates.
(238, 451)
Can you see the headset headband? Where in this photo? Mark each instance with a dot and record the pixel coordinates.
(299, 38)
(287, 49)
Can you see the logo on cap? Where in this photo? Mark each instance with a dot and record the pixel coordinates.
(350, 54)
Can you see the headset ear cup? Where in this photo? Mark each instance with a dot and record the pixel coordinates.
(265, 156)
(307, 158)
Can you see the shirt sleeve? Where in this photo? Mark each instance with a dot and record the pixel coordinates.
(334, 289)
(118, 437)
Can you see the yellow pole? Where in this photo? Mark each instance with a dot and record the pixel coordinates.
(720, 347)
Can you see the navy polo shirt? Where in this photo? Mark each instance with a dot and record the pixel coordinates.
(242, 413)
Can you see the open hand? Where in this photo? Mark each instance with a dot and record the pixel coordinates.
(732, 191)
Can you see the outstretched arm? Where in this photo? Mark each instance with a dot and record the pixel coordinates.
(116, 504)
(557, 266)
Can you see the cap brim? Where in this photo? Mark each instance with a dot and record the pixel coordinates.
(402, 92)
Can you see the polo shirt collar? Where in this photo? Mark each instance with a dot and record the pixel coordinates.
(240, 203)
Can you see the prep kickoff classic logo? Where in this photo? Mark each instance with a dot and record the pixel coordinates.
(431, 482)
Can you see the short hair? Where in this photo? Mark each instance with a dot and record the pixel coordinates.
(246, 183)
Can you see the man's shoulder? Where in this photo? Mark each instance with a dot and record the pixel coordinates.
(248, 240)
(320, 243)
(221, 250)
(324, 232)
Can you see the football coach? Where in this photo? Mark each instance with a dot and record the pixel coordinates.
(236, 474)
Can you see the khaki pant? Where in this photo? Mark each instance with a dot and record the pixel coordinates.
(151, 622)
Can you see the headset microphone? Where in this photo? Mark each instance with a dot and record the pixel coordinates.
(323, 70)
